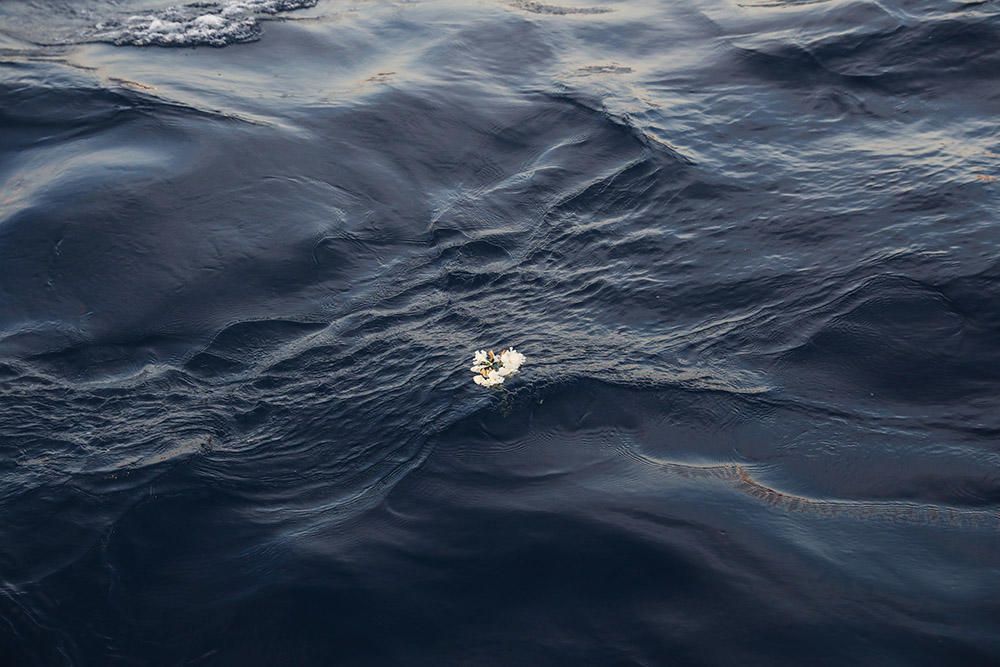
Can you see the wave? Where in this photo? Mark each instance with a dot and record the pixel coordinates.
(197, 24)
(743, 480)
(556, 10)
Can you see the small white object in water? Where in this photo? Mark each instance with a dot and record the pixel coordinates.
(492, 369)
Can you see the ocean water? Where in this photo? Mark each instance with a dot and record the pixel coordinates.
(750, 249)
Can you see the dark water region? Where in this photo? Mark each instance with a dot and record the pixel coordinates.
(247, 250)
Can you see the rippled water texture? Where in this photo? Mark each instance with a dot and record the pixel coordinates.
(749, 249)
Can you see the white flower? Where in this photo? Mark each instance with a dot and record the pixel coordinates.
(492, 378)
(492, 369)
(511, 359)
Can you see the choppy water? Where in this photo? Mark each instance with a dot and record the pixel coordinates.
(750, 249)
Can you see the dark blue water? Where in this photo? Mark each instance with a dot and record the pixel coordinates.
(751, 250)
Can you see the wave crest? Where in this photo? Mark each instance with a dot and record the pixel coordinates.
(196, 24)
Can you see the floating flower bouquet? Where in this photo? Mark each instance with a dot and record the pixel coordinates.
(492, 369)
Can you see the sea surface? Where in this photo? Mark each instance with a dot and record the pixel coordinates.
(750, 249)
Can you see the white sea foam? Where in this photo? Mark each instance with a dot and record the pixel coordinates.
(196, 24)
